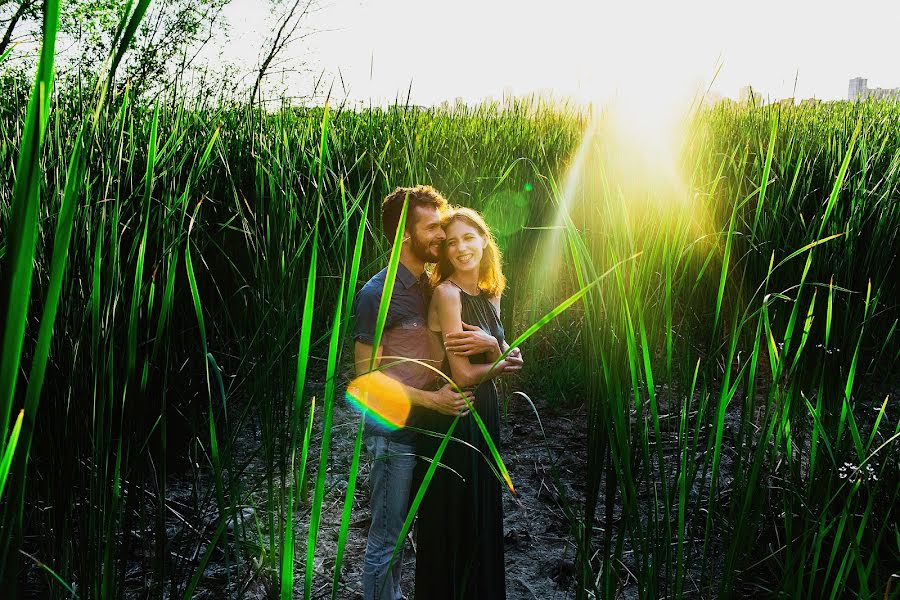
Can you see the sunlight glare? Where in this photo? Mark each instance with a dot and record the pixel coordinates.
(629, 169)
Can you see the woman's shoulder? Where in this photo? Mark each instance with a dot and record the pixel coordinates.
(445, 291)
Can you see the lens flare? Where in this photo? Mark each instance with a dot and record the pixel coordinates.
(627, 183)
(506, 212)
(382, 400)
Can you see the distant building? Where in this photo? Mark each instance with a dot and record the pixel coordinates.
(810, 102)
(884, 93)
(860, 90)
(784, 102)
(857, 89)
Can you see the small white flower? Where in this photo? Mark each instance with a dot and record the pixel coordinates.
(858, 473)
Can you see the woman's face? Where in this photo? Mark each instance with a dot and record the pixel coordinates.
(464, 246)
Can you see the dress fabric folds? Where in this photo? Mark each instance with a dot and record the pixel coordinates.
(459, 553)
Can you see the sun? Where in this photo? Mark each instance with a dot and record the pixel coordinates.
(629, 170)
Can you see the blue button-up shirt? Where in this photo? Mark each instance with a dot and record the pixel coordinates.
(405, 333)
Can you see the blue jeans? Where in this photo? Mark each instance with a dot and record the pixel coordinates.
(392, 471)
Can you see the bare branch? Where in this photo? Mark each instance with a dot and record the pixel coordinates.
(286, 34)
(24, 5)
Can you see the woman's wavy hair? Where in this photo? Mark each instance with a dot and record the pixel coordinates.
(491, 280)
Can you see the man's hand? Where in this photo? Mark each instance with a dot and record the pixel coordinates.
(514, 362)
(448, 401)
(470, 341)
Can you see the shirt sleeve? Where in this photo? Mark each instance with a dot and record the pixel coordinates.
(365, 313)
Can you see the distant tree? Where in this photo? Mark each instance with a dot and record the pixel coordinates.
(12, 14)
(170, 38)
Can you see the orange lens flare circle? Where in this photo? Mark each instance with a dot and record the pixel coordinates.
(381, 399)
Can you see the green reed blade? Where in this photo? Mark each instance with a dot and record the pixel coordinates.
(347, 510)
(766, 169)
(204, 560)
(204, 159)
(839, 180)
(168, 294)
(7, 52)
(213, 437)
(334, 349)
(726, 263)
(356, 260)
(389, 279)
(305, 335)
(303, 353)
(807, 326)
(288, 538)
(23, 215)
(301, 482)
(9, 451)
(74, 178)
(562, 306)
(357, 445)
(136, 294)
(56, 577)
(128, 33)
(420, 494)
(195, 294)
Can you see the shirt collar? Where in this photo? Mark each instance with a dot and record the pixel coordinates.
(406, 278)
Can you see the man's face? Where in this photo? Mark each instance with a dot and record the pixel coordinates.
(427, 234)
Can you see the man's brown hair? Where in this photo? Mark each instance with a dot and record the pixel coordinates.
(421, 195)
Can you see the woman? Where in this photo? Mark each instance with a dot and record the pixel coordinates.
(460, 528)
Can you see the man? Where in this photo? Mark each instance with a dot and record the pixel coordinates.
(406, 335)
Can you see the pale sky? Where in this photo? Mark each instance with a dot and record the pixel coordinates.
(645, 51)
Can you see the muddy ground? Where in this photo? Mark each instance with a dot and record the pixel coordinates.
(539, 547)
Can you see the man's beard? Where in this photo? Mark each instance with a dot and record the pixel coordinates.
(424, 251)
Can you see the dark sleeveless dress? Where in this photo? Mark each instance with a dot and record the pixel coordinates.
(459, 553)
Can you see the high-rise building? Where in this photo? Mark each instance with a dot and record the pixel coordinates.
(858, 87)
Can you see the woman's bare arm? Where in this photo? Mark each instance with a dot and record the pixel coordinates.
(444, 400)
(449, 311)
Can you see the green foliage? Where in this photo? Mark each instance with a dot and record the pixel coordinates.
(728, 341)
(162, 46)
(780, 206)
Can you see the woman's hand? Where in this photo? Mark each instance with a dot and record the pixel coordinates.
(514, 362)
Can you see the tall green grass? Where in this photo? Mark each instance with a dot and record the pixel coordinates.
(736, 333)
(739, 503)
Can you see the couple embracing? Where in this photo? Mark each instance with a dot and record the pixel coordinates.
(447, 317)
